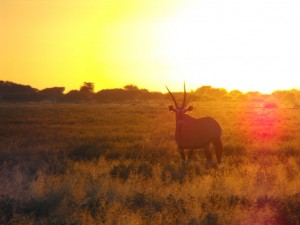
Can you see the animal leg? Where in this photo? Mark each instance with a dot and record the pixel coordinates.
(182, 153)
(207, 154)
(218, 149)
(190, 154)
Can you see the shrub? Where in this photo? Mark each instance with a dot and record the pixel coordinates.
(145, 170)
(86, 152)
(210, 219)
(289, 210)
(170, 173)
(42, 207)
(6, 209)
(121, 171)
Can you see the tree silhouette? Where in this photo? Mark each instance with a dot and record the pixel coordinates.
(206, 93)
(131, 87)
(87, 87)
(13, 92)
(53, 94)
(236, 95)
(74, 96)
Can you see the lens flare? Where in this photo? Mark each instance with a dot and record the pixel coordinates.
(262, 126)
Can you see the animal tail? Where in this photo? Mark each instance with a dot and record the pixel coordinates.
(217, 143)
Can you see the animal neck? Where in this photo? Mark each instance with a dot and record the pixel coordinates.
(180, 123)
(185, 121)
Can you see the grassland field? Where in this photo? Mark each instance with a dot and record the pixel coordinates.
(118, 164)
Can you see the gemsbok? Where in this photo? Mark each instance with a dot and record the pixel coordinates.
(192, 134)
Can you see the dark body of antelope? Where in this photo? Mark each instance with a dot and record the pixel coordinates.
(194, 133)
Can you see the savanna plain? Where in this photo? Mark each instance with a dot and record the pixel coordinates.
(118, 164)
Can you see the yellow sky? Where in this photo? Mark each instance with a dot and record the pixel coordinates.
(246, 45)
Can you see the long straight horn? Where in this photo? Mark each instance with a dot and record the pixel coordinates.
(172, 97)
(184, 96)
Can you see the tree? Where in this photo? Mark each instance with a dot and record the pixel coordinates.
(13, 92)
(236, 95)
(131, 87)
(206, 93)
(87, 87)
(74, 96)
(53, 94)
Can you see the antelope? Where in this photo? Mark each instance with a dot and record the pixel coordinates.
(192, 133)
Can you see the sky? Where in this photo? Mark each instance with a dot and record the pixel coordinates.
(233, 44)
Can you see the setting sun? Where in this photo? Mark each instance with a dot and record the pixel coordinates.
(234, 44)
(237, 45)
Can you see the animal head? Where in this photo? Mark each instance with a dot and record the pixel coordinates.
(179, 110)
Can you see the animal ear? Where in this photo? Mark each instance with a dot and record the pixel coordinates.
(171, 108)
(190, 108)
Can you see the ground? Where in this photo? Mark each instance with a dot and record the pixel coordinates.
(118, 164)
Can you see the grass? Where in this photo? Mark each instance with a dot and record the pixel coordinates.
(118, 164)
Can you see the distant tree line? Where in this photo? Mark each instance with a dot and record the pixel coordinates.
(12, 92)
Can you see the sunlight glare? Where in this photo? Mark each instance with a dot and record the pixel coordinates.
(237, 45)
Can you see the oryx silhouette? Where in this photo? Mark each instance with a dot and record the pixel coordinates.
(196, 133)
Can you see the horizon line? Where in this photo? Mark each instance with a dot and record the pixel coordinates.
(140, 88)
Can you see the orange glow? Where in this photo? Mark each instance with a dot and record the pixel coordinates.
(261, 125)
(233, 44)
(264, 125)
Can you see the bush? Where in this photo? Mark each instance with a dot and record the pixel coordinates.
(170, 173)
(42, 207)
(86, 152)
(6, 209)
(121, 171)
(289, 210)
(210, 219)
(145, 170)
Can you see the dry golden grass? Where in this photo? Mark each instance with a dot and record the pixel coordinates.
(118, 164)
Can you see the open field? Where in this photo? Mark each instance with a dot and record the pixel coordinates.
(118, 164)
